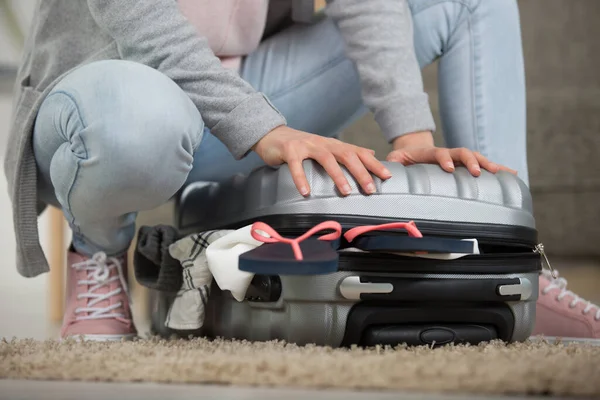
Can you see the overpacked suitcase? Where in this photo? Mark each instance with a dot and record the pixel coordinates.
(376, 297)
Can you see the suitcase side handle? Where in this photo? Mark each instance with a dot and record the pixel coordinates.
(431, 289)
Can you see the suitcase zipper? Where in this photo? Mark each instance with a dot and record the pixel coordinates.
(298, 224)
(479, 236)
(484, 237)
(539, 249)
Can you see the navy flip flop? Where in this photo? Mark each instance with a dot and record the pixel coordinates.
(300, 256)
(371, 238)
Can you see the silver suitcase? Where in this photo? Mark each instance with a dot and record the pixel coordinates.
(377, 298)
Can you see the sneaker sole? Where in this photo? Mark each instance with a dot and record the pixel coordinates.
(565, 340)
(103, 338)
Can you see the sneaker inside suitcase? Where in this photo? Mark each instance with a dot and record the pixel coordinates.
(377, 297)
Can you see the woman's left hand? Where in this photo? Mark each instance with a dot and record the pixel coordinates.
(418, 148)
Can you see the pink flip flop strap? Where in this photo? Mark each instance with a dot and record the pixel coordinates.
(273, 237)
(410, 227)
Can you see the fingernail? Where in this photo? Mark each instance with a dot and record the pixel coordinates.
(450, 165)
(387, 172)
(303, 191)
(346, 189)
(370, 188)
(476, 168)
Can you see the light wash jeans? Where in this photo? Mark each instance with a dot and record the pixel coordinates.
(114, 138)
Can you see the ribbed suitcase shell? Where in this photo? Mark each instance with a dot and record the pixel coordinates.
(419, 192)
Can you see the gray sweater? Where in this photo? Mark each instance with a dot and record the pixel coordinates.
(67, 34)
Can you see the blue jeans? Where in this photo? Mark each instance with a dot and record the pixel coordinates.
(114, 138)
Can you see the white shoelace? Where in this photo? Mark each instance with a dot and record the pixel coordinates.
(561, 283)
(98, 270)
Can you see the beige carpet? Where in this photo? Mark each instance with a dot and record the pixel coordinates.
(531, 368)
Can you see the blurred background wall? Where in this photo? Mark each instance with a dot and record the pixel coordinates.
(15, 17)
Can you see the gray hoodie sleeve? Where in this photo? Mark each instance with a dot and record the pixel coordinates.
(379, 39)
(155, 33)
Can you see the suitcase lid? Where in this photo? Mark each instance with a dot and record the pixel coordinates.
(494, 206)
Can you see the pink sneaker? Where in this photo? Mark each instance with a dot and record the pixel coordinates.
(97, 306)
(561, 314)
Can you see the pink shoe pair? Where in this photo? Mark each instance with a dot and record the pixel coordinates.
(98, 306)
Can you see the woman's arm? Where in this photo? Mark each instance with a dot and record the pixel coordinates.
(379, 39)
(155, 33)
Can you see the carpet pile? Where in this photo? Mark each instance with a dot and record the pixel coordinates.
(494, 368)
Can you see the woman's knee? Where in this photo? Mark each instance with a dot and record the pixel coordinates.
(135, 137)
(132, 99)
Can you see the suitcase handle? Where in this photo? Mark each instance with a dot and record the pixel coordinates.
(428, 334)
(429, 289)
(365, 319)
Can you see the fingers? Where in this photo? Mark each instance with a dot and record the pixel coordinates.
(447, 159)
(474, 161)
(444, 158)
(485, 163)
(299, 176)
(503, 168)
(360, 163)
(374, 165)
(492, 166)
(396, 156)
(409, 156)
(468, 159)
(330, 153)
(356, 167)
(333, 169)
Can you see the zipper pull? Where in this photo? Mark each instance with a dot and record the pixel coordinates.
(539, 249)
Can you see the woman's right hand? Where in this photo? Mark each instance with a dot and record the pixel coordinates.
(287, 145)
(419, 148)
